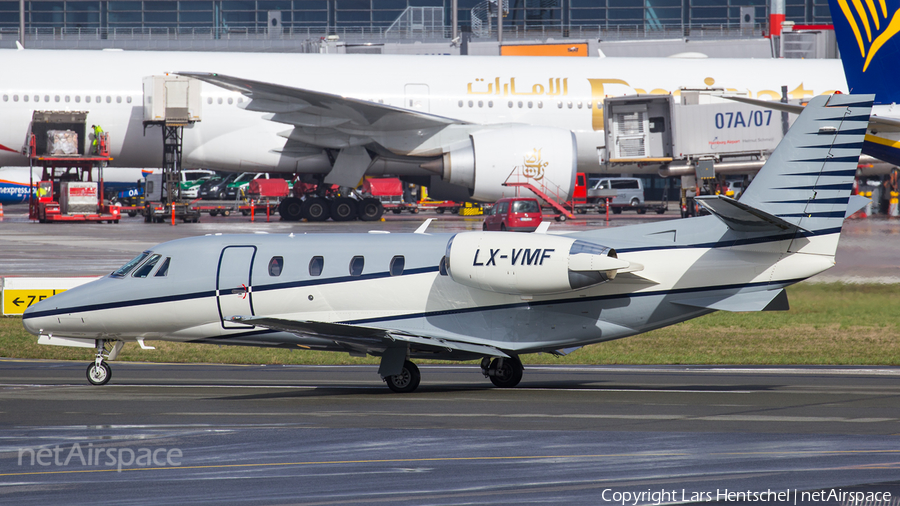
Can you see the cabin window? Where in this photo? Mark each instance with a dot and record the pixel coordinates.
(128, 99)
(460, 103)
(87, 99)
(530, 103)
(520, 104)
(46, 98)
(540, 104)
(125, 269)
(481, 103)
(68, 99)
(559, 104)
(209, 100)
(78, 98)
(490, 103)
(275, 266)
(356, 265)
(316, 265)
(118, 100)
(397, 264)
(590, 104)
(230, 101)
(56, 98)
(6, 98)
(510, 104)
(108, 99)
(144, 270)
(163, 269)
(579, 104)
(240, 100)
(470, 103)
(97, 99)
(25, 98)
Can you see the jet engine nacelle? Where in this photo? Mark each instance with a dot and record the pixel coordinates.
(545, 157)
(528, 264)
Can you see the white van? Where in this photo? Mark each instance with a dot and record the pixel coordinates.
(629, 191)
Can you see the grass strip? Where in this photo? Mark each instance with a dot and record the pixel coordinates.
(828, 324)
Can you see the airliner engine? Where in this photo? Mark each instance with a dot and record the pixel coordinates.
(528, 264)
(545, 157)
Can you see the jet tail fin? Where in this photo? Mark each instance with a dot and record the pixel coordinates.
(806, 183)
(869, 47)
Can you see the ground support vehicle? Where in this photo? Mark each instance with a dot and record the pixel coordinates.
(66, 191)
(389, 191)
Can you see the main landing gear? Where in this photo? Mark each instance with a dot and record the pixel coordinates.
(98, 372)
(503, 372)
(405, 382)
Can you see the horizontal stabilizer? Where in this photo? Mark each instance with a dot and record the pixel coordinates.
(370, 338)
(743, 218)
(856, 203)
(768, 300)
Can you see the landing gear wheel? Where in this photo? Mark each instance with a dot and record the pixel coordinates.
(405, 382)
(370, 209)
(315, 209)
(99, 375)
(343, 209)
(290, 209)
(508, 373)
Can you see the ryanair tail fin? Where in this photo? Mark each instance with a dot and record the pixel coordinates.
(870, 47)
(804, 187)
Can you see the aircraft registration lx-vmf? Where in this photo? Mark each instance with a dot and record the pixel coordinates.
(482, 295)
(460, 124)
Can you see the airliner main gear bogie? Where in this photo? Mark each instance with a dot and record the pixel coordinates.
(405, 382)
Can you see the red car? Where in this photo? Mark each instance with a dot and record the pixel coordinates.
(514, 213)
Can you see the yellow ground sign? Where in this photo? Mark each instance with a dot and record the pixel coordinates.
(15, 302)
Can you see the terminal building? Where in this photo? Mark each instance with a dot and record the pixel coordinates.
(234, 24)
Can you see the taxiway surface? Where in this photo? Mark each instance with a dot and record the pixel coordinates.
(336, 435)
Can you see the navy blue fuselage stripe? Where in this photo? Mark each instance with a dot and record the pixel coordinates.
(846, 186)
(831, 214)
(836, 159)
(328, 281)
(836, 200)
(849, 172)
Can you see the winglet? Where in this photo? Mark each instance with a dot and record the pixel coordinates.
(542, 228)
(19, 46)
(422, 227)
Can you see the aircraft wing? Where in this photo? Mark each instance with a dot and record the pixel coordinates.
(368, 338)
(880, 123)
(315, 109)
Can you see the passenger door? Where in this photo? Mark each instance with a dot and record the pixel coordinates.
(234, 284)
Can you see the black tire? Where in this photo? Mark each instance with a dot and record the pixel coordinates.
(291, 209)
(406, 381)
(635, 202)
(370, 209)
(484, 226)
(661, 210)
(396, 211)
(509, 374)
(561, 218)
(213, 212)
(617, 210)
(315, 209)
(503, 227)
(440, 210)
(225, 212)
(414, 210)
(245, 212)
(642, 210)
(98, 375)
(132, 214)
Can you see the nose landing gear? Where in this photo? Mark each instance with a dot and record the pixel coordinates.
(99, 372)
